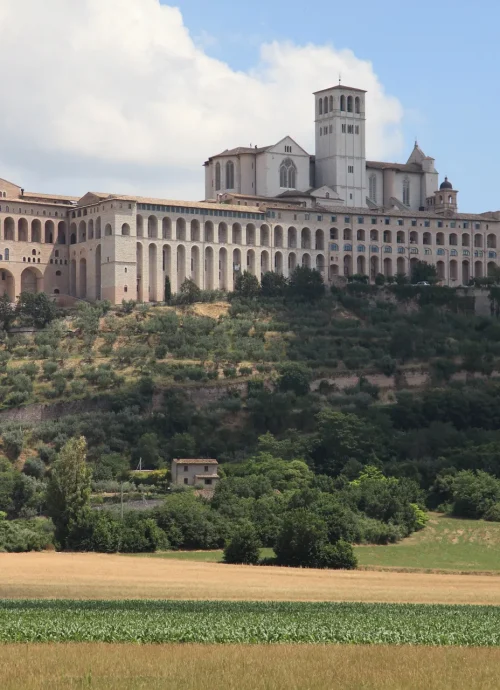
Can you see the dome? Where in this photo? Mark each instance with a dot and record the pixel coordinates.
(446, 184)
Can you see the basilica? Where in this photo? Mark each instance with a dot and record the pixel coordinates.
(268, 208)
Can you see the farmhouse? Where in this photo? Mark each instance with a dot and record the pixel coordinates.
(195, 472)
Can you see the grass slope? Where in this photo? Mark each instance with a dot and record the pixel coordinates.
(234, 667)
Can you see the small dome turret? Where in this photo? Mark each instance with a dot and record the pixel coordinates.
(446, 184)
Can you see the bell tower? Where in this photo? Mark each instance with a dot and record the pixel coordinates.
(340, 142)
(445, 199)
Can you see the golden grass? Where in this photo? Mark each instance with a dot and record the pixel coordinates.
(99, 576)
(233, 667)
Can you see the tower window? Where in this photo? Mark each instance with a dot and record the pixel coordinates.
(350, 168)
(331, 129)
(288, 174)
(321, 106)
(342, 103)
(357, 129)
(372, 187)
(343, 129)
(217, 176)
(406, 191)
(350, 129)
(230, 175)
(349, 104)
(357, 106)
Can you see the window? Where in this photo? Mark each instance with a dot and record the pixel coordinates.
(477, 226)
(230, 175)
(347, 219)
(321, 131)
(333, 219)
(334, 247)
(342, 103)
(372, 184)
(466, 224)
(206, 468)
(288, 173)
(125, 289)
(440, 223)
(357, 129)
(349, 104)
(217, 176)
(373, 221)
(350, 129)
(320, 103)
(343, 129)
(427, 223)
(58, 273)
(7, 255)
(350, 168)
(288, 149)
(331, 129)
(186, 468)
(208, 482)
(387, 221)
(414, 224)
(406, 191)
(401, 222)
(320, 218)
(185, 480)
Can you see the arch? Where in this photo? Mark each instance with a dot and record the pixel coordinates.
(278, 236)
(306, 260)
(347, 265)
(387, 237)
(195, 230)
(320, 106)
(49, 232)
(325, 105)
(22, 230)
(278, 263)
(140, 275)
(320, 263)
(97, 260)
(465, 272)
(413, 237)
(264, 235)
(400, 266)
(330, 100)
(237, 261)
(288, 174)
(388, 267)
(360, 235)
(453, 269)
(478, 240)
(36, 230)
(349, 104)
(166, 266)
(98, 228)
(342, 103)
(180, 229)
(251, 261)
(7, 284)
(82, 231)
(82, 287)
(440, 270)
(453, 240)
(372, 187)
(31, 280)
(400, 237)
(250, 234)
(374, 266)
(223, 269)
(72, 237)
(478, 269)
(126, 229)
(61, 232)
(166, 228)
(152, 227)
(491, 241)
(140, 225)
(208, 231)
(305, 238)
(466, 240)
(90, 234)
(347, 234)
(357, 105)
(108, 230)
(320, 240)
(230, 175)
(427, 239)
(153, 262)
(374, 236)
(195, 265)
(72, 277)
(292, 262)
(236, 233)
(222, 233)
(334, 234)
(217, 177)
(264, 262)
(440, 239)
(181, 265)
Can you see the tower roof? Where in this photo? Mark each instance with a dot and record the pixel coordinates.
(446, 184)
(340, 86)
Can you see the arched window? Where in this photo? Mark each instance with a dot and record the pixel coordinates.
(372, 184)
(325, 106)
(357, 105)
(331, 104)
(349, 104)
(217, 176)
(288, 174)
(342, 103)
(406, 191)
(7, 255)
(321, 106)
(230, 175)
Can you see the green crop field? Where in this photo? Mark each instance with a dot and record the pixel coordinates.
(247, 622)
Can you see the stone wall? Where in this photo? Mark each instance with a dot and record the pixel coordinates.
(42, 412)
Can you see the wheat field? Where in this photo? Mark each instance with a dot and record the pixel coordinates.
(233, 667)
(99, 576)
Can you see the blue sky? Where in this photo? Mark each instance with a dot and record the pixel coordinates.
(439, 59)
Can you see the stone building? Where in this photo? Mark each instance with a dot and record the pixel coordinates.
(195, 472)
(267, 209)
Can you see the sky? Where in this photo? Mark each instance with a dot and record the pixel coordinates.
(132, 96)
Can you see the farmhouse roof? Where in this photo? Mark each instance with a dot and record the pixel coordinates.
(195, 461)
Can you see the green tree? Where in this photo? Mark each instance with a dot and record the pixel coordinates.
(474, 493)
(7, 312)
(68, 494)
(423, 272)
(183, 446)
(167, 295)
(148, 450)
(301, 539)
(189, 292)
(294, 377)
(306, 284)
(246, 285)
(37, 309)
(273, 284)
(244, 546)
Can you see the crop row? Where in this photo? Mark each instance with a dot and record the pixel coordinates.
(247, 622)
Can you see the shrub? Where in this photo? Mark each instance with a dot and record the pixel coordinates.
(301, 539)
(338, 556)
(49, 369)
(34, 467)
(244, 546)
(13, 441)
(493, 513)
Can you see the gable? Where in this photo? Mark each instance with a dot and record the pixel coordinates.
(287, 141)
(326, 192)
(91, 198)
(11, 190)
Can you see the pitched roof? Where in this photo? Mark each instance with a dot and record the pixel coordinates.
(241, 149)
(195, 461)
(340, 86)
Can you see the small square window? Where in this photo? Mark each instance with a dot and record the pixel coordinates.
(466, 224)
(208, 482)
(374, 221)
(186, 468)
(333, 219)
(361, 220)
(347, 219)
(427, 224)
(320, 217)
(440, 223)
(414, 223)
(387, 221)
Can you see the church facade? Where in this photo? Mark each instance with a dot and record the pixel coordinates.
(268, 208)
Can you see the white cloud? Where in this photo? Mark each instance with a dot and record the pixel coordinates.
(117, 92)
